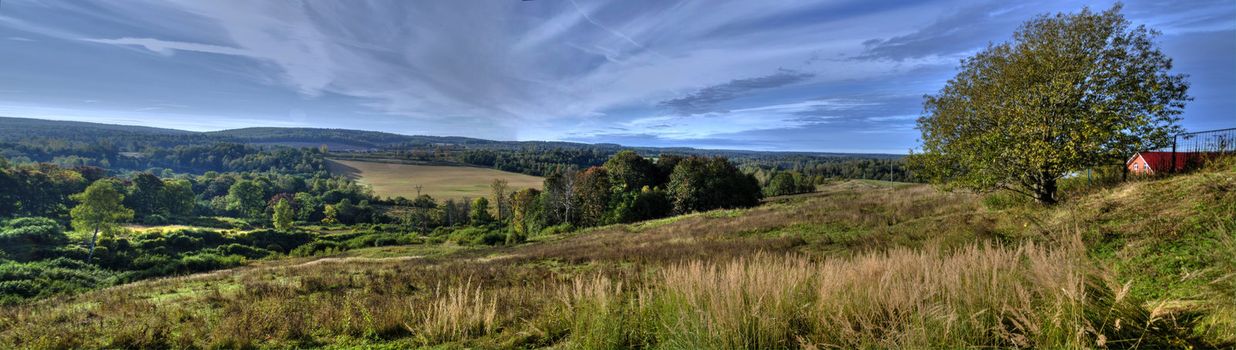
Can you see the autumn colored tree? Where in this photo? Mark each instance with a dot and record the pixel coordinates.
(502, 200)
(1068, 92)
(525, 211)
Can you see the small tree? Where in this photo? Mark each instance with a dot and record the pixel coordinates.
(99, 208)
(331, 215)
(480, 211)
(502, 201)
(1070, 91)
(283, 215)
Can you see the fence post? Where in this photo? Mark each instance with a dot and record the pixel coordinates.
(1174, 141)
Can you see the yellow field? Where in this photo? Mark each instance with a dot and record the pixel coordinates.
(440, 182)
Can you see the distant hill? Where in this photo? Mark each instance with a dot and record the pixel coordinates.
(344, 139)
(25, 127)
(16, 130)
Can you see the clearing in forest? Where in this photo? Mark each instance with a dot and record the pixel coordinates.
(439, 181)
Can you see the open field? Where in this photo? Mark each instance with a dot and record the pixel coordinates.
(440, 182)
(1139, 265)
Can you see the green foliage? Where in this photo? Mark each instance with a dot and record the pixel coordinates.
(38, 279)
(701, 184)
(283, 215)
(591, 196)
(99, 209)
(477, 236)
(646, 204)
(330, 215)
(27, 239)
(787, 183)
(527, 206)
(1070, 91)
(247, 199)
(628, 171)
(318, 248)
(480, 211)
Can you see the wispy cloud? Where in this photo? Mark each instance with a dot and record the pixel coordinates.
(762, 73)
(169, 47)
(707, 99)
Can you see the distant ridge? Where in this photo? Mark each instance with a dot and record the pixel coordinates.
(7, 123)
(12, 129)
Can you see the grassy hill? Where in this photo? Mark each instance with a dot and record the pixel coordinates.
(860, 264)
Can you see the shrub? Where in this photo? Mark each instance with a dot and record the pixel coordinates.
(558, 229)
(318, 248)
(19, 281)
(28, 239)
(208, 261)
(477, 236)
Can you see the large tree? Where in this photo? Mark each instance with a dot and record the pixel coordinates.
(702, 183)
(246, 198)
(1070, 91)
(99, 208)
(630, 172)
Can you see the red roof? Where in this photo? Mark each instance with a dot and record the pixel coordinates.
(1159, 161)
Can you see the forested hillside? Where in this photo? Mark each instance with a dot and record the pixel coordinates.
(128, 148)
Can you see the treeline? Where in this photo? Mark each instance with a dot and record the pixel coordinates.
(626, 188)
(44, 190)
(222, 157)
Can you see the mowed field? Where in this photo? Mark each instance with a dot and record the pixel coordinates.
(439, 181)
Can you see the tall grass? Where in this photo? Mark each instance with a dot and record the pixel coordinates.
(454, 313)
(980, 296)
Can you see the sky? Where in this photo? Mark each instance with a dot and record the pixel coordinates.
(829, 75)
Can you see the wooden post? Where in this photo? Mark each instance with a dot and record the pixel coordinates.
(1174, 139)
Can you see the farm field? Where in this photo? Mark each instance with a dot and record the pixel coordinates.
(439, 181)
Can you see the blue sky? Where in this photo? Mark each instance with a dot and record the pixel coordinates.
(844, 76)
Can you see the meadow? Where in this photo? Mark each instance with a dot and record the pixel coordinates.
(1145, 264)
(438, 181)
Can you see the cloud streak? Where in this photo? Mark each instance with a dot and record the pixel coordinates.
(706, 99)
(775, 74)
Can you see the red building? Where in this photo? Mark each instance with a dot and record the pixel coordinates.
(1148, 163)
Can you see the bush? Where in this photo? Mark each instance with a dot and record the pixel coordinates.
(1001, 200)
(20, 281)
(208, 261)
(477, 236)
(318, 248)
(558, 229)
(380, 240)
(243, 250)
(29, 239)
(267, 238)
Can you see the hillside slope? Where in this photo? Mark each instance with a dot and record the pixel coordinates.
(858, 264)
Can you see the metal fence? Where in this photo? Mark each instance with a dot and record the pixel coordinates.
(1194, 148)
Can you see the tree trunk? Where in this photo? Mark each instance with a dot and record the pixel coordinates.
(1046, 192)
(93, 239)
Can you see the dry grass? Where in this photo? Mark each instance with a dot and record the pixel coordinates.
(440, 182)
(855, 266)
(980, 296)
